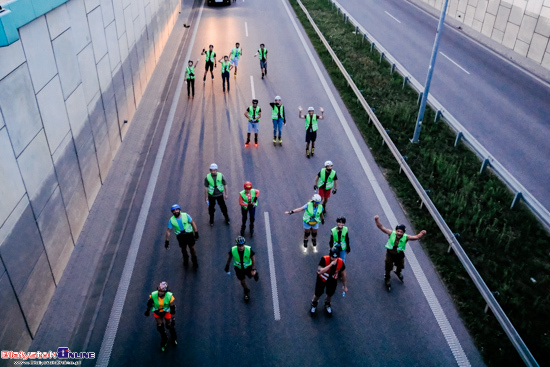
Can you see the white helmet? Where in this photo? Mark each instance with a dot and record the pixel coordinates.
(328, 163)
(316, 198)
(277, 98)
(311, 109)
(213, 166)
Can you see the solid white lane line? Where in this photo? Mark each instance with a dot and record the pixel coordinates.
(435, 306)
(272, 277)
(246, 28)
(451, 60)
(394, 18)
(252, 87)
(122, 291)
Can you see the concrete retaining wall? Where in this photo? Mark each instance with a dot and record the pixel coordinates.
(67, 86)
(520, 25)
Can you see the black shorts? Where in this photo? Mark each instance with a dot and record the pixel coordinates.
(209, 64)
(186, 239)
(311, 136)
(330, 285)
(241, 273)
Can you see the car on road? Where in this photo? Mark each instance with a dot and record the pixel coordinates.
(217, 2)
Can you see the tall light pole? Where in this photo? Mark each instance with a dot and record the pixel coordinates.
(430, 73)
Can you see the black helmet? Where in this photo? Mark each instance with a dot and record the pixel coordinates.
(254, 101)
(335, 251)
(401, 227)
(240, 240)
(341, 220)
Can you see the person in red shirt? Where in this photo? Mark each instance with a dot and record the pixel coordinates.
(248, 200)
(329, 269)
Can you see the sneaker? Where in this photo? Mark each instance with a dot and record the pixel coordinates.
(246, 295)
(204, 81)
(247, 144)
(399, 275)
(274, 139)
(313, 308)
(256, 144)
(328, 309)
(262, 75)
(305, 243)
(312, 151)
(314, 242)
(280, 140)
(212, 78)
(307, 153)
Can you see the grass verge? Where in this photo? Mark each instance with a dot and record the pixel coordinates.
(509, 248)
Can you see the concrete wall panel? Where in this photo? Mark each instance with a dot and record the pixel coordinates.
(101, 136)
(12, 56)
(12, 188)
(129, 21)
(120, 96)
(88, 73)
(56, 234)
(502, 18)
(533, 8)
(119, 18)
(97, 31)
(527, 29)
(521, 47)
(537, 47)
(67, 63)
(492, 7)
(18, 104)
(37, 293)
(91, 5)
(2, 123)
(69, 177)
(58, 21)
(104, 76)
(38, 50)
(113, 129)
(79, 24)
(107, 11)
(54, 116)
(510, 35)
(36, 166)
(112, 45)
(14, 334)
(543, 24)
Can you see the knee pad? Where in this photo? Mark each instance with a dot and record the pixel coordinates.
(306, 234)
(314, 234)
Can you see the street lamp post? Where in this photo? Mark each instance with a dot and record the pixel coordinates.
(430, 73)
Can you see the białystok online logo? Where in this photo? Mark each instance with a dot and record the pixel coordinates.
(62, 353)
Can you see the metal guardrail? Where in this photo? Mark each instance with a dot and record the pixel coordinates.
(488, 160)
(505, 323)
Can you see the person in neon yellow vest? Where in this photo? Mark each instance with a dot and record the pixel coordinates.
(190, 77)
(395, 248)
(339, 238)
(325, 181)
(161, 302)
(311, 126)
(253, 115)
(330, 268)
(279, 119)
(226, 67)
(215, 190)
(312, 216)
(186, 232)
(210, 62)
(262, 53)
(248, 200)
(244, 263)
(236, 53)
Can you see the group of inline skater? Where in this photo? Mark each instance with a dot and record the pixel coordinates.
(331, 267)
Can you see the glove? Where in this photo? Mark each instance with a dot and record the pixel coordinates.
(226, 268)
(315, 187)
(196, 235)
(255, 200)
(147, 313)
(334, 191)
(166, 244)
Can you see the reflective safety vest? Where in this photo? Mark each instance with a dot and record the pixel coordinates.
(210, 56)
(339, 264)
(236, 53)
(329, 180)
(245, 198)
(276, 111)
(262, 55)
(342, 241)
(253, 113)
(225, 66)
(308, 214)
(400, 246)
(165, 305)
(190, 72)
(186, 225)
(313, 123)
(219, 184)
(237, 259)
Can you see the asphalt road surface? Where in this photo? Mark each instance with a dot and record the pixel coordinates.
(370, 326)
(504, 108)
